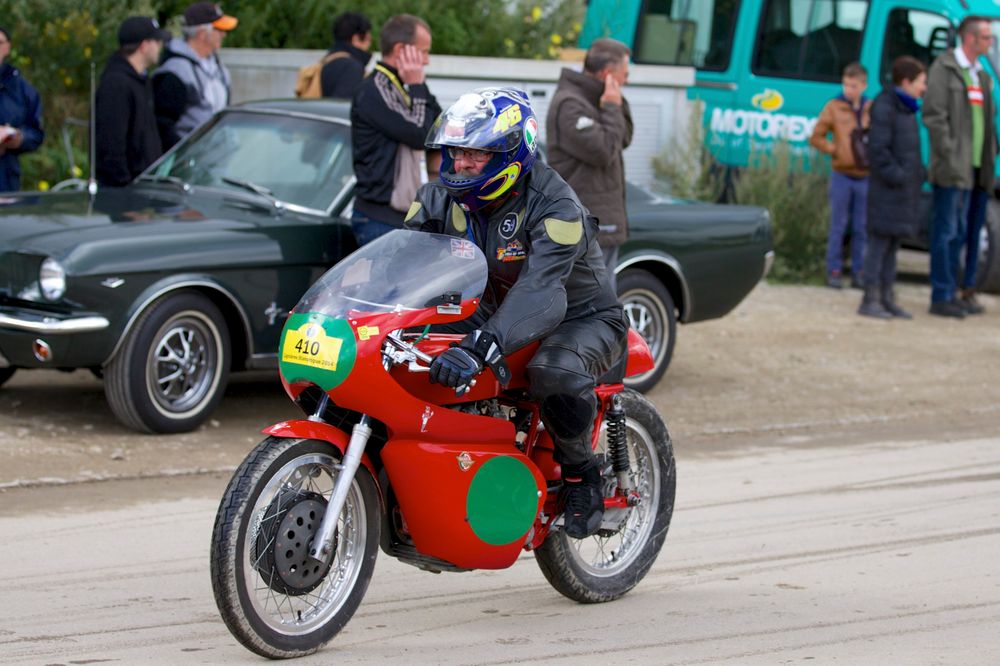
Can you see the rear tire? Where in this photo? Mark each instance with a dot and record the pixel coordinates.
(270, 610)
(607, 565)
(988, 278)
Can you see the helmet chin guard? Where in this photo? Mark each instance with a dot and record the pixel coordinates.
(499, 120)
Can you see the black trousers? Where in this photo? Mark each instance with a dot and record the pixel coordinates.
(880, 260)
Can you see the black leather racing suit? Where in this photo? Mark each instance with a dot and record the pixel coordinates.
(548, 282)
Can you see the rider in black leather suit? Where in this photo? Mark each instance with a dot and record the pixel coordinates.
(547, 277)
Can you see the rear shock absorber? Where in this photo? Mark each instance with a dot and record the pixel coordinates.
(617, 442)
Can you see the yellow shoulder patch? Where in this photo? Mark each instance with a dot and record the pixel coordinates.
(414, 209)
(458, 218)
(564, 232)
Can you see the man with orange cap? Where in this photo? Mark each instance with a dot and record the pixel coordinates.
(191, 83)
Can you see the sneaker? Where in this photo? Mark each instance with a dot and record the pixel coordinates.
(584, 501)
(834, 281)
(970, 304)
(947, 309)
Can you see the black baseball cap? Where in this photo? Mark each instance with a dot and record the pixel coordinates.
(137, 29)
(203, 13)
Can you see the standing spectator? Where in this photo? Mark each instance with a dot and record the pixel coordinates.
(192, 83)
(391, 114)
(345, 69)
(127, 138)
(841, 116)
(589, 125)
(896, 175)
(959, 115)
(20, 119)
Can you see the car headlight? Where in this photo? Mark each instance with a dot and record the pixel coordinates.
(52, 279)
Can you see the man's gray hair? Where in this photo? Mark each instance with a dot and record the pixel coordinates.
(400, 29)
(603, 53)
(189, 32)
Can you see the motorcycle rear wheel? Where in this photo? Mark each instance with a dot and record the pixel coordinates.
(276, 601)
(605, 566)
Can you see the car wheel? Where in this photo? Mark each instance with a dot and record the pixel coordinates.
(5, 374)
(651, 312)
(988, 278)
(172, 369)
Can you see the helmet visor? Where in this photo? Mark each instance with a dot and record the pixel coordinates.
(473, 122)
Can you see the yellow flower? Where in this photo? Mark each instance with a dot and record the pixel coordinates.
(26, 60)
(76, 171)
(68, 81)
(93, 31)
(43, 185)
(508, 42)
(553, 52)
(536, 13)
(577, 27)
(556, 39)
(87, 51)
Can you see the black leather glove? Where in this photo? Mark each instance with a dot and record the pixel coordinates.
(455, 367)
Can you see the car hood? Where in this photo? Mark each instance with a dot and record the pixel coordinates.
(56, 223)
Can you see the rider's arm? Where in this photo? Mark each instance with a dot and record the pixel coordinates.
(536, 304)
(427, 212)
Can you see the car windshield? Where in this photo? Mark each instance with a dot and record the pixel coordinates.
(299, 161)
(402, 270)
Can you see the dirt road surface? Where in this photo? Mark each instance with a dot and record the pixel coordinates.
(838, 500)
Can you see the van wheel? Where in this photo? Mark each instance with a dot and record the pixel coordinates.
(172, 370)
(651, 312)
(988, 278)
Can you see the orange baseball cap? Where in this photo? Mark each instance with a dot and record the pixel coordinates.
(202, 13)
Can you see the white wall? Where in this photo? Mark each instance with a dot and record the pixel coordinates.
(657, 94)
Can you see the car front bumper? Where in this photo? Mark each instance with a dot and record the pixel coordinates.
(77, 340)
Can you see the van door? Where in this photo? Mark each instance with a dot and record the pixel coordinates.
(799, 51)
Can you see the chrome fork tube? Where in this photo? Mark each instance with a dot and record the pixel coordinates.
(323, 541)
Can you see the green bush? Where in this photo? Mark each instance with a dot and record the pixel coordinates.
(781, 179)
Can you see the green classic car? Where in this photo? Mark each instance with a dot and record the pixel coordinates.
(166, 286)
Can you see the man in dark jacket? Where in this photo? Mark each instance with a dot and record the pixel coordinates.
(128, 140)
(390, 116)
(20, 119)
(547, 279)
(959, 112)
(588, 126)
(896, 174)
(345, 68)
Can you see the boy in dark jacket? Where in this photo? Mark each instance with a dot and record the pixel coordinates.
(345, 70)
(896, 174)
(20, 119)
(128, 140)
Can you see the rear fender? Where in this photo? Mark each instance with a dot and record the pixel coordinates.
(324, 432)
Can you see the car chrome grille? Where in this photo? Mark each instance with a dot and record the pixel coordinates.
(17, 271)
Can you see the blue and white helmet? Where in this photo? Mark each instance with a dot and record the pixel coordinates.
(499, 120)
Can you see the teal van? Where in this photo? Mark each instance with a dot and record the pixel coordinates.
(765, 68)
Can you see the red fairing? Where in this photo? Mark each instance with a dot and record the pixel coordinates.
(324, 432)
(640, 359)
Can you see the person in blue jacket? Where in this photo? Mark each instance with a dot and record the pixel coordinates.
(20, 119)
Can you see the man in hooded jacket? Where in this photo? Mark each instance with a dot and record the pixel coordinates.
(20, 119)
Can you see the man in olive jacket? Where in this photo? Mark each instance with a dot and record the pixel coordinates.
(959, 114)
(588, 127)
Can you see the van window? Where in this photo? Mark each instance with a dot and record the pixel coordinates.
(922, 35)
(809, 39)
(687, 32)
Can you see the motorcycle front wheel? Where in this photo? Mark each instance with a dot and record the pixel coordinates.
(605, 566)
(275, 599)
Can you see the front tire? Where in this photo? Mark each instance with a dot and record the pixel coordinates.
(607, 565)
(172, 369)
(651, 312)
(275, 600)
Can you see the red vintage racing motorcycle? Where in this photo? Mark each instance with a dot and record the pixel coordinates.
(385, 459)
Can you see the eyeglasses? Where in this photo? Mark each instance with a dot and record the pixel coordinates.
(477, 156)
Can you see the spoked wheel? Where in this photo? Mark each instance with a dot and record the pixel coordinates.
(275, 599)
(608, 564)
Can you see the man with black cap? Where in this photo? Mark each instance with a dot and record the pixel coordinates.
(20, 119)
(192, 83)
(127, 138)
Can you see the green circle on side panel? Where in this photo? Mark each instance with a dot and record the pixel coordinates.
(502, 500)
(318, 349)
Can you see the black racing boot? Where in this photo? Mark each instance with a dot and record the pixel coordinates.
(583, 496)
(889, 303)
(871, 304)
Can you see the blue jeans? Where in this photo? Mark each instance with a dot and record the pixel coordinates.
(978, 200)
(366, 229)
(848, 205)
(947, 237)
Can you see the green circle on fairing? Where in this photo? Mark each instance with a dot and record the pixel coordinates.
(502, 500)
(318, 349)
